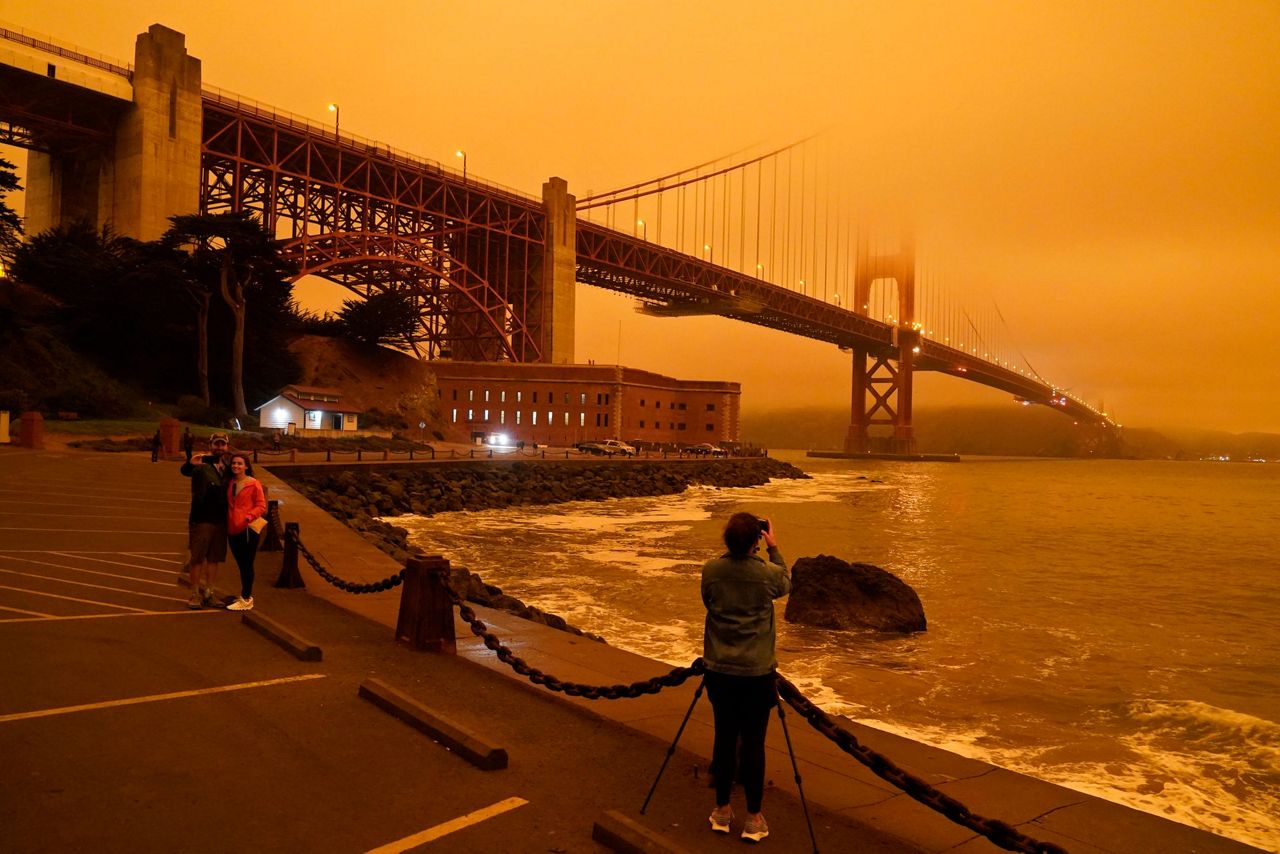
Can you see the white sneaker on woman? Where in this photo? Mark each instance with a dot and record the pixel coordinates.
(241, 604)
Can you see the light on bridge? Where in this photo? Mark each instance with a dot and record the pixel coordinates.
(644, 231)
(337, 116)
(463, 155)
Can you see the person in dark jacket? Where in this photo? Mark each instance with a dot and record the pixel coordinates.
(738, 589)
(207, 521)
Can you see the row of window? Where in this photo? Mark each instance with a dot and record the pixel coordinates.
(657, 404)
(602, 398)
(602, 418)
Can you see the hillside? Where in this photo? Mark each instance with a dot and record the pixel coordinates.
(1000, 431)
(395, 390)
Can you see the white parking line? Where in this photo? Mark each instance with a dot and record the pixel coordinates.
(433, 833)
(169, 572)
(95, 531)
(53, 618)
(87, 584)
(74, 599)
(122, 497)
(27, 619)
(154, 698)
(103, 560)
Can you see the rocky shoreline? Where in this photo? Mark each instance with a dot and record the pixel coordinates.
(358, 496)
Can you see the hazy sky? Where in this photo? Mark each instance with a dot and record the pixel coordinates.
(1107, 173)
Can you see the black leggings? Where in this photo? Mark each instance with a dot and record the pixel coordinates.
(741, 705)
(244, 546)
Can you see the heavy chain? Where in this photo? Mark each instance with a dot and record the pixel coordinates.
(1000, 833)
(348, 586)
(573, 689)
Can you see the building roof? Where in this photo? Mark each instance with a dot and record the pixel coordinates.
(302, 403)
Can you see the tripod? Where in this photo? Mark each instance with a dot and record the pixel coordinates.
(782, 718)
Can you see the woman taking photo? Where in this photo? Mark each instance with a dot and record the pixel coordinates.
(738, 589)
(246, 505)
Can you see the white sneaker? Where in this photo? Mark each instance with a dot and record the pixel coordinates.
(755, 829)
(720, 818)
(241, 604)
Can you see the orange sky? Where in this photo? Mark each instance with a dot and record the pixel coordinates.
(1107, 173)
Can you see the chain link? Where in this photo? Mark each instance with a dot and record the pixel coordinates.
(573, 689)
(999, 832)
(349, 586)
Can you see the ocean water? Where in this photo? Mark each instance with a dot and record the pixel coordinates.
(1107, 625)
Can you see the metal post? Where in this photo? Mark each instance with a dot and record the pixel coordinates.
(425, 621)
(270, 541)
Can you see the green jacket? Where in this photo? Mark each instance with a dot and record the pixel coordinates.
(208, 491)
(739, 636)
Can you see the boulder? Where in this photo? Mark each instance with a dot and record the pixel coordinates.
(831, 594)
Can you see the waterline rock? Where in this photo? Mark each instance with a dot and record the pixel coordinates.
(829, 593)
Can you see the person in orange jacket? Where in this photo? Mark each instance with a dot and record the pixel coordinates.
(246, 508)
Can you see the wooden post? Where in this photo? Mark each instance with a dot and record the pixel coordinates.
(426, 611)
(289, 575)
(270, 541)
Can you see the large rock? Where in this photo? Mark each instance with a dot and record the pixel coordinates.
(831, 594)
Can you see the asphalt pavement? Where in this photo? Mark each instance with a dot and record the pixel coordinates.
(129, 722)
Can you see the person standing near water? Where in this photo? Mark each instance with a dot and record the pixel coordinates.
(738, 589)
(246, 505)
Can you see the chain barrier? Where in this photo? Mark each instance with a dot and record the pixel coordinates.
(349, 586)
(573, 689)
(1000, 833)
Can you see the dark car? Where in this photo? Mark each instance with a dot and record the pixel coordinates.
(706, 449)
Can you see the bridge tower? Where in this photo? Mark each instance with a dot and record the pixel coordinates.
(880, 420)
(147, 168)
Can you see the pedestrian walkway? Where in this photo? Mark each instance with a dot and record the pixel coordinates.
(129, 722)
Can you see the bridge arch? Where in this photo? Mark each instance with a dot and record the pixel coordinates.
(462, 315)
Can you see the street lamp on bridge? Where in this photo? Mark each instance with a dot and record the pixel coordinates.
(644, 231)
(711, 254)
(337, 115)
(463, 155)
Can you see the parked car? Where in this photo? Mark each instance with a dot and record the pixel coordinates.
(607, 447)
(706, 449)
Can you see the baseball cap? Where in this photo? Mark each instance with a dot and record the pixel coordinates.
(217, 437)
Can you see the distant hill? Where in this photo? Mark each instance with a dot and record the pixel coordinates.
(1005, 431)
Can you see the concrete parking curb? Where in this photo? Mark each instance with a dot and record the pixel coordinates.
(457, 738)
(300, 649)
(617, 832)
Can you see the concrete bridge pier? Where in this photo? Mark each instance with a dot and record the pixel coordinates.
(149, 170)
(559, 272)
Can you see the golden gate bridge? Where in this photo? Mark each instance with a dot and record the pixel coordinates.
(764, 238)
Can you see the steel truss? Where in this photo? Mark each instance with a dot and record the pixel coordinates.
(372, 220)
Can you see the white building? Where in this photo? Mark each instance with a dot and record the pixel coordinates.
(311, 410)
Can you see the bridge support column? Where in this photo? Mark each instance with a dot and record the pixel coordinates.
(150, 171)
(559, 273)
(882, 382)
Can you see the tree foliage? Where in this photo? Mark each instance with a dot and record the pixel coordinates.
(10, 222)
(385, 317)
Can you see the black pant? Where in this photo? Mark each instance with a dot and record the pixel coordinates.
(741, 705)
(244, 546)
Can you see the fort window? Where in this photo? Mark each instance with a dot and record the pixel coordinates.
(517, 416)
(534, 416)
(486, 416)
(455, 416)
(642, 401)
(711, 407)
(519, 396)
(566, 418)
(535, 397)
(455, 394)
(641, 425)
(710, 427)
(582, 398)
(606, 398)
(582, 419)
(471, 394)
(471, 415)
(486, 395)
(502, 416)
(597, 419)
(606, 419)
